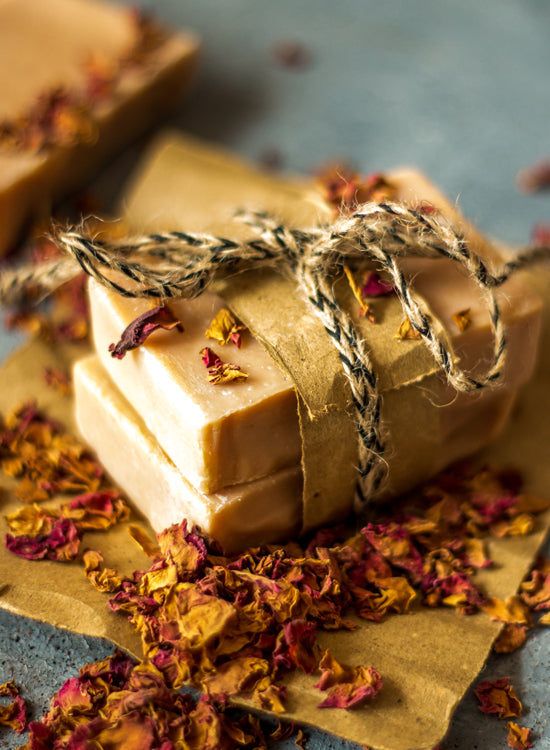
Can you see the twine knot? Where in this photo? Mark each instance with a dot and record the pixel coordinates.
(181, 264)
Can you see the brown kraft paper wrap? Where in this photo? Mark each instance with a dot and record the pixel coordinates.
(191, 187)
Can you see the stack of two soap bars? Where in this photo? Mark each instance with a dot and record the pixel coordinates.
(228, 456)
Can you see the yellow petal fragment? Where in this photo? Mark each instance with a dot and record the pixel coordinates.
(224, 328)
(365, 310)
(462, 319)
(406, 331)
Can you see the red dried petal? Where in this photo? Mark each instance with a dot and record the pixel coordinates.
(535, 177)
(14, 715)
(375, 286)
(348, 686)
(220, 372)
(498, 697)
(540, 234)
(60, 544)
(139, 330)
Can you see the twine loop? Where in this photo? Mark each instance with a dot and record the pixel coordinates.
(182, 265)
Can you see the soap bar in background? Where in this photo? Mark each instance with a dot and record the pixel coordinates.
(191, 186)
(260, 511)
(100, 75)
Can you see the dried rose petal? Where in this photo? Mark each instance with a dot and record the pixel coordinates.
(348, 686)
(345, 189)
(9, 689)
(462, 319)
(498, 697)
(406, 331)
(61, 543)
(224, 328)
(540, 234)
(14, 715)
(139, 330)
(535, 177)
(292, 55)
(375, 286)
(510, 638)
(220, 372)
(365, 310)
(510, 610)
(519, 738)
(58, 379)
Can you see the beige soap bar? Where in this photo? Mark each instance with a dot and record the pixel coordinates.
(215, 434)
(45, 46)
(261, 511)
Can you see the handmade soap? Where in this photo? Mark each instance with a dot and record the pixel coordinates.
(215, 434)
(80, 80)
(187, 185)
(261, 511)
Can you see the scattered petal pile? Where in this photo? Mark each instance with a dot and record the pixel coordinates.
(117, 703)
(48, 461)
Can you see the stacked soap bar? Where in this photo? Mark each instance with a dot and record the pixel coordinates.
(216, 435)
(227, 456)
(81, 79)
(263, 510)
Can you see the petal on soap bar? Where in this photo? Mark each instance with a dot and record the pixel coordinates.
(220, 372)
(224, 328)
(139, 330)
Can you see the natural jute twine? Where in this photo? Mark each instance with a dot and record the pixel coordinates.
(179, 264)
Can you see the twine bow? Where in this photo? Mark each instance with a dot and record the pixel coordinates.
(180, 264)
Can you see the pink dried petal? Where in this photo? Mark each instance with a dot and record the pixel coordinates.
(135, 334)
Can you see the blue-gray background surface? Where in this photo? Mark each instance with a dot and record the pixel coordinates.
(458, 89)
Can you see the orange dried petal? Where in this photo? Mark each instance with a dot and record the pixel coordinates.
(519, 738)
(510, 610)
(406, 331)
(510, 638)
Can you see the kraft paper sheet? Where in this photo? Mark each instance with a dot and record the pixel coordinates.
(427, 658)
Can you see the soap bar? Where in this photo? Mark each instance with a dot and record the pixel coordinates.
(187, 185)
(215, 434)
(116, 89)
(261, 511)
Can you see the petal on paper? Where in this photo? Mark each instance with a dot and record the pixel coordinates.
(60, 544)
(347, 686)
(375, 286)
